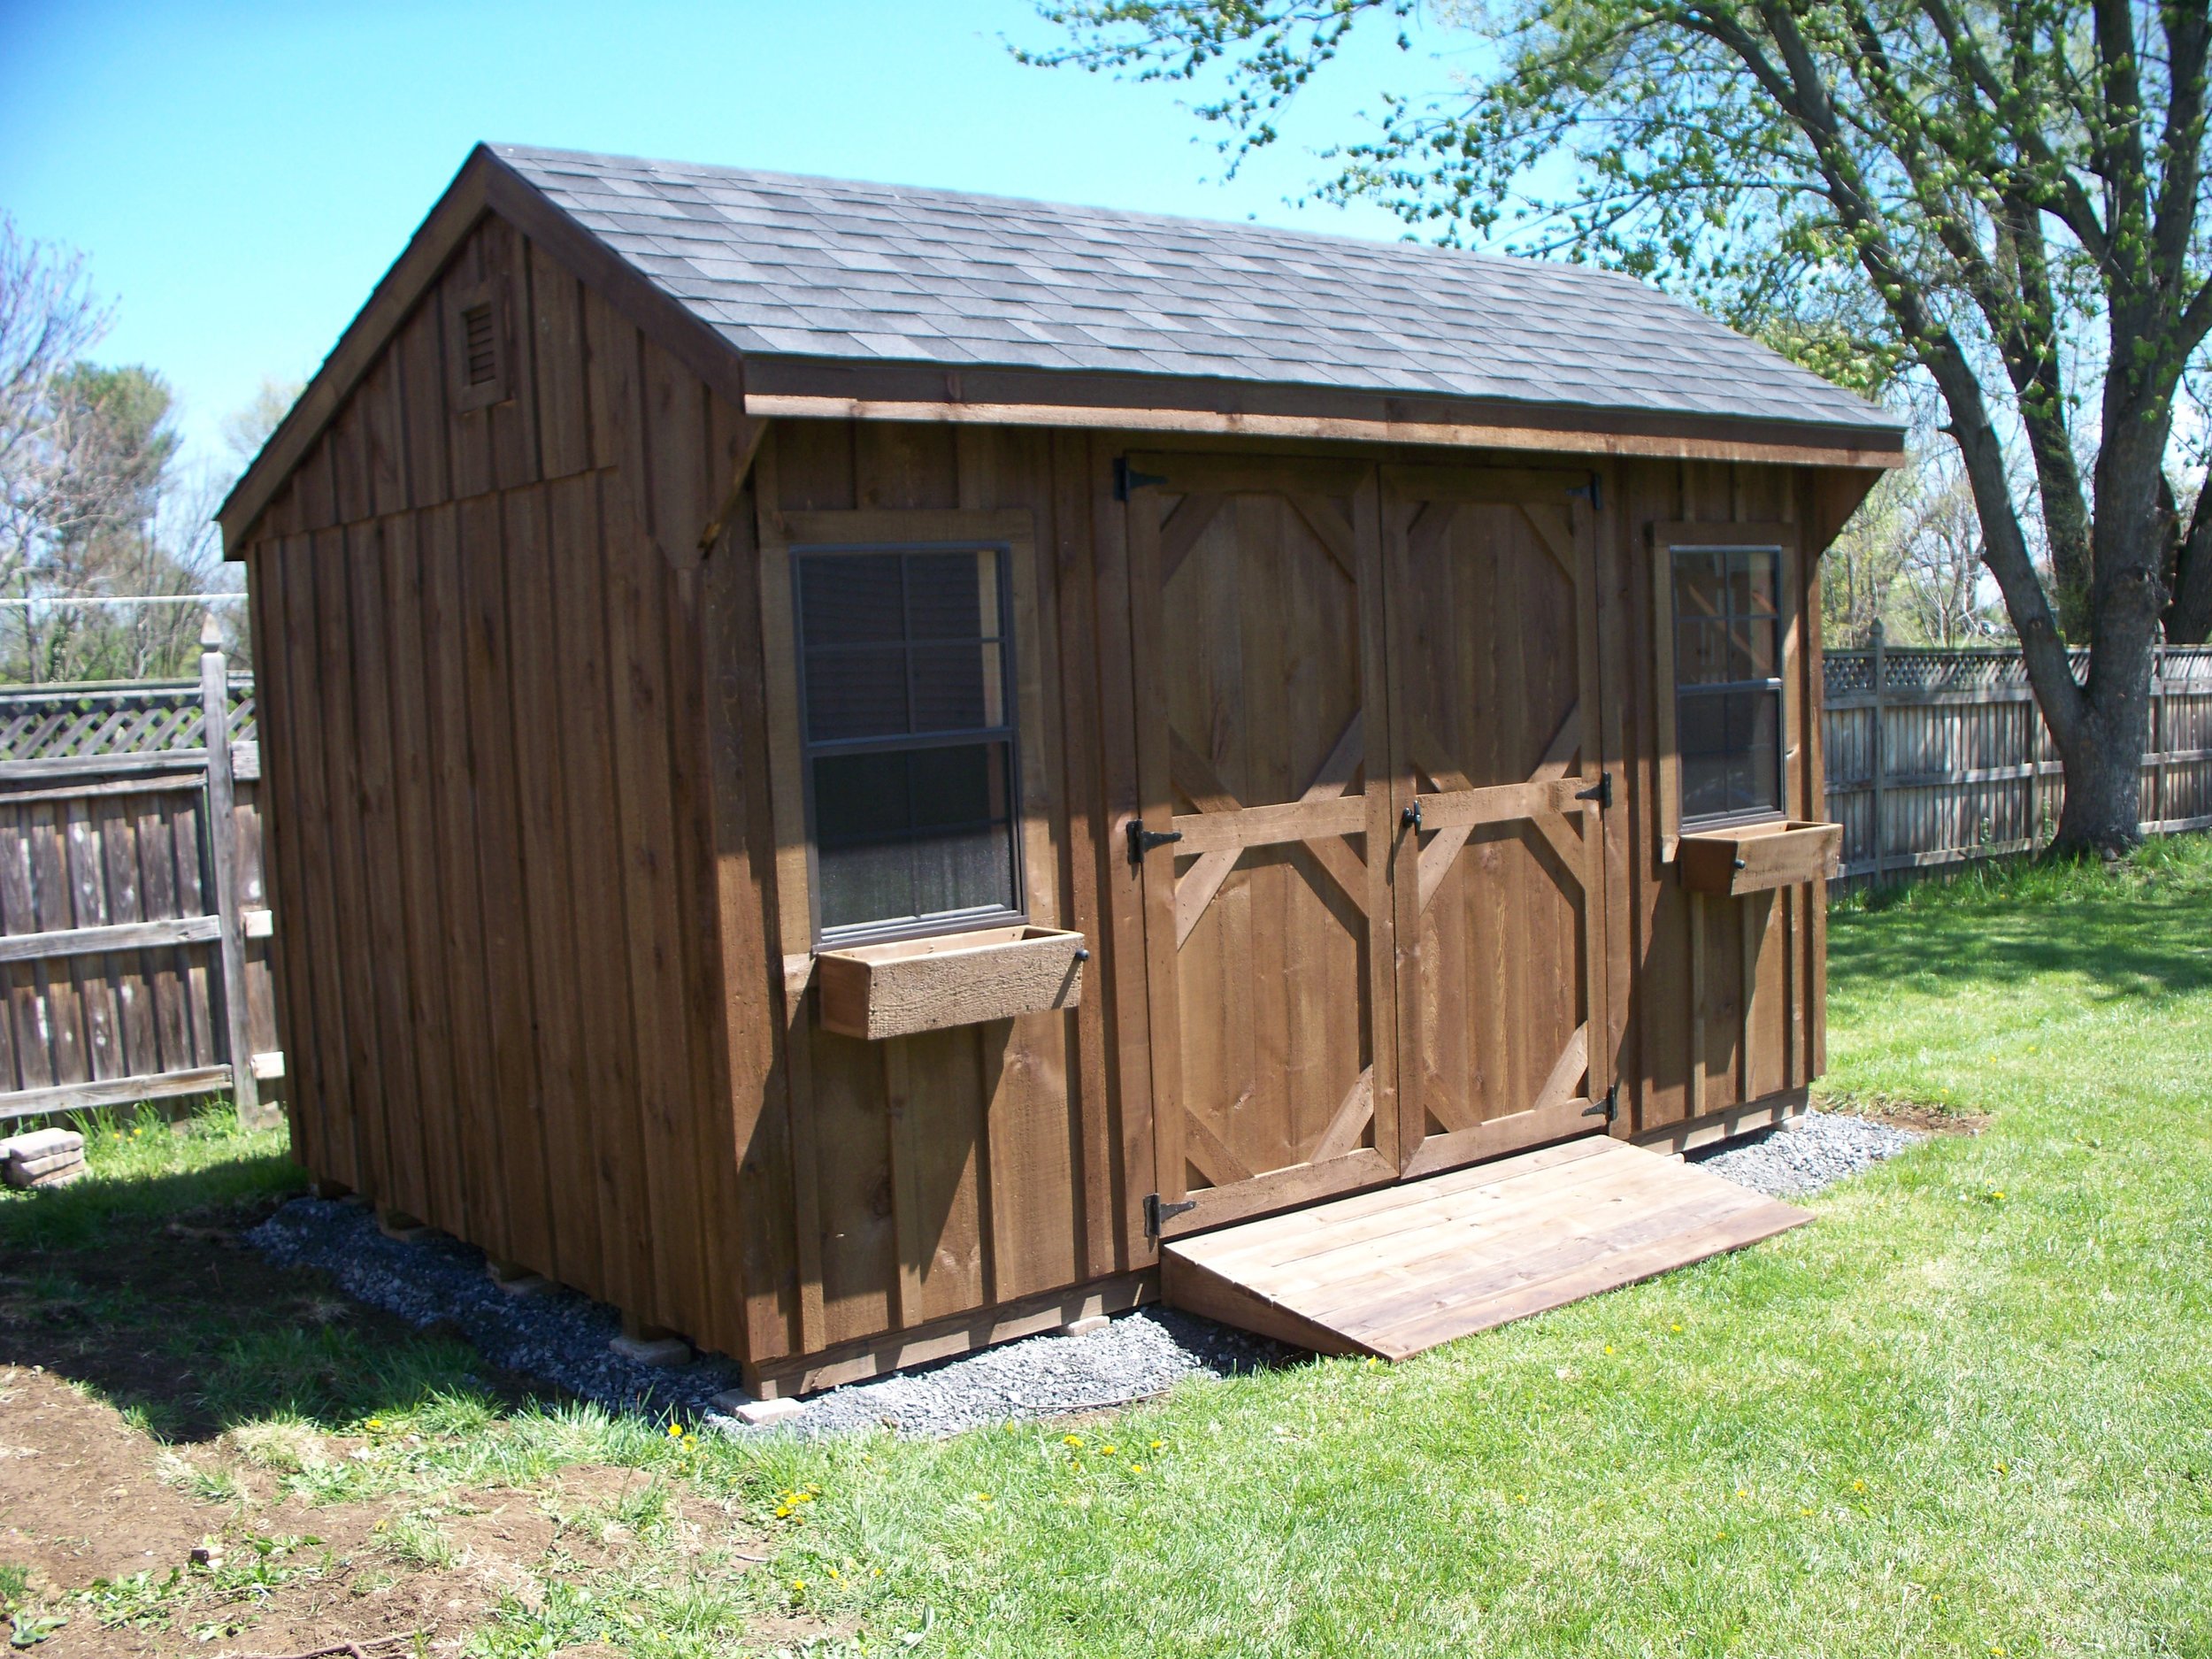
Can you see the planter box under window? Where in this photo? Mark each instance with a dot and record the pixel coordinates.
(1757, 857)
(951, 979)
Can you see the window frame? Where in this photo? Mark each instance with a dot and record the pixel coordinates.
(1668, 540)
(1006, 732)
(783, 534)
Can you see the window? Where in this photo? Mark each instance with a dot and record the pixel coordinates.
(907, 731)
(1728, 680)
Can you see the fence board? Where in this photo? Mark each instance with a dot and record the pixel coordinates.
(112, 937)
(1936, 758)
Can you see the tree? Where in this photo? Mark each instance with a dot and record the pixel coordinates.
(2003, 198)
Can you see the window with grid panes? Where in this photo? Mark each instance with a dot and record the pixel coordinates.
(1728, 682)
(906, 687)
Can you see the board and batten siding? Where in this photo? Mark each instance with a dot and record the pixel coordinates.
(484, 699)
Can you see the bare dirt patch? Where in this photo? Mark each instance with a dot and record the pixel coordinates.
(1916, 1116)
(85, 1498)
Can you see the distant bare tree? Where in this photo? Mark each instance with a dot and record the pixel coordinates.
(47, 321)
(246, 430)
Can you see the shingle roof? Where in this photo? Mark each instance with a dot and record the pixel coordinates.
(781, 265)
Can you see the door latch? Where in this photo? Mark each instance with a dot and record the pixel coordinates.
(1142, 840)
(1411, 816)
(1156, 1212)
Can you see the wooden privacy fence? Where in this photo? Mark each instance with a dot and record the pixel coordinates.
(134, 929)
(1935, 756)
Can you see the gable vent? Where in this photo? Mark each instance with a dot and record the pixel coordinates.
(480, 347)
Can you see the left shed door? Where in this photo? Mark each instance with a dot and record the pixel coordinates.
(1261, 738)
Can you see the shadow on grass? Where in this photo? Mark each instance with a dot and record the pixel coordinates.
(141, 1289)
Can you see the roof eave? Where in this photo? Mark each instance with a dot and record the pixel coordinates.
(846, 388)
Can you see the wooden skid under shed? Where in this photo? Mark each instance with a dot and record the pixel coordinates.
(1398, 1271)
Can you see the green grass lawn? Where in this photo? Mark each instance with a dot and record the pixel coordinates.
(1967, 1412)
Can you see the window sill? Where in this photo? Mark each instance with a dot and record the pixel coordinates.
(948, 980)
(1758, 857)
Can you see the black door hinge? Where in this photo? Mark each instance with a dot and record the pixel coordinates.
(1600, 792)
(1609, 1108)
(1591, 493)
(1156, 1212)
(1127, 478)
(1142, 840)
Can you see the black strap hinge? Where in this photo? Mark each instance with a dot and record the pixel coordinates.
(1156, 1212)
(1127, 478)
(1600, 792)
(1591, 493)
(1142, 840)
(1609, 1108)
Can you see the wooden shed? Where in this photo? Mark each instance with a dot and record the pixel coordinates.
(848, 764)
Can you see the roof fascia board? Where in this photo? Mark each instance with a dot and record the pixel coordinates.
(1781, 449)
(833, 388)
(484, 184)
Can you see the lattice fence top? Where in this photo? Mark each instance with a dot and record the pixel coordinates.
(136, 716)
(1920, 668)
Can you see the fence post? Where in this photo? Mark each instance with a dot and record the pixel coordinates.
(2158, 736)
(222, 836)
(1880, 741)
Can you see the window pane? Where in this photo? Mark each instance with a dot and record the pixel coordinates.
(1702, 725)
(1700, 652)
(1762, 782)
(870, 882)
(952, 595)
(1699, 579)
(1751, 650)
(860, 798)
(1751, 576)
(849, 599)
(1704, 785)
(957, 688)
(964, 870)
(957, 787)
(856, 694)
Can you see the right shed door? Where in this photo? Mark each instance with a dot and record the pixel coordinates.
(1490, 612)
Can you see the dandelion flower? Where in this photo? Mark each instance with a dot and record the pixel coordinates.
(1136, 1469)
(1071, 1440)
(1741, 1493)
(1157, 1444)
(798, 1586)
(1105, 1451)
(675, 1430)
(1676, 1326)
(1608, 1348)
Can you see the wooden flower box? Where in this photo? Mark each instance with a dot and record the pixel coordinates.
(949, 980)
(1757, 857)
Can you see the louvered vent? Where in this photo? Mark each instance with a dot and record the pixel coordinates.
(480, 347)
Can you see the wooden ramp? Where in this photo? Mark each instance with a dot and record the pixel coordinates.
(1393, 1272)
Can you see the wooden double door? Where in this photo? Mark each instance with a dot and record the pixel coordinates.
(1367, 712)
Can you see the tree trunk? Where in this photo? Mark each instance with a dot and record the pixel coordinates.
(2103, 812)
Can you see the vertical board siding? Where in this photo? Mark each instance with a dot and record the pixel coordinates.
(487, 693)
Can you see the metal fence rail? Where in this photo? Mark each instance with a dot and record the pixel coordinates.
(1936, 757)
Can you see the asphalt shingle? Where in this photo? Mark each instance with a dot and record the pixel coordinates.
(780, 265)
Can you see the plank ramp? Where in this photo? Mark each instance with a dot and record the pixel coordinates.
(1395, 1271)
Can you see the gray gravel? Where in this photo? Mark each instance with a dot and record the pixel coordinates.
(1805, 1155)
(561, 1337)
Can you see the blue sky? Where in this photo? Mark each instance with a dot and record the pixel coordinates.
(241, 174)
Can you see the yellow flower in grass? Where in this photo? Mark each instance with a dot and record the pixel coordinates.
(1071, 1440)
(1157, 1444)
(1105, 1451)
(1136, 1469)
(675, 1430)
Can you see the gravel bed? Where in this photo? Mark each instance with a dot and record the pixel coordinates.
(561, 1337)
(1805, 1155)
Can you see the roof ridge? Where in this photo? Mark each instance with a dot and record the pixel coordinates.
(1253, 229)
